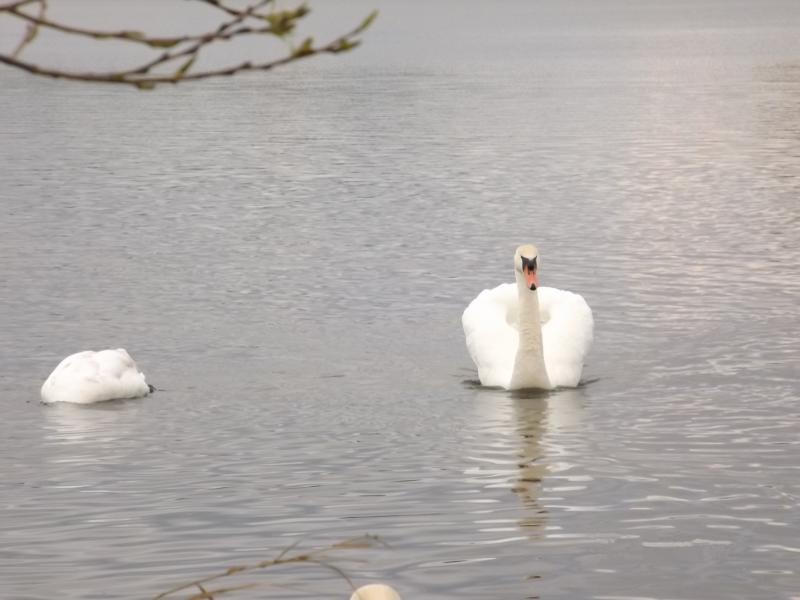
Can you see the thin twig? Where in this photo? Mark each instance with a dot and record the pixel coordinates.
(153, 42)
(192, 50)
(14, 5)
(222, 7)
(204, 592)
(32, 28)
(311, 557)
(220, 591)
(280, 23)
(287, 550)
(336, 570)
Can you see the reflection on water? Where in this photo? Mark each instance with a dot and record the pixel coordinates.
(536, 414)
(98, 425)
(531, 423)
(288, 259)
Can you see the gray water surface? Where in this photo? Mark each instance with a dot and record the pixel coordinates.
(287, 256)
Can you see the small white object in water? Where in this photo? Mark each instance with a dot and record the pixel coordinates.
(375, 591)
(88, 377)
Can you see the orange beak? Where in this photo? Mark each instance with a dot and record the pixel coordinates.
(530, 278)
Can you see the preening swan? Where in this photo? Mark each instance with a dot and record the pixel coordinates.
(525, 336)
(88, 377)
(375, 591)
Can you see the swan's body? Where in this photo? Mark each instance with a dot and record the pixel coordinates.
(375, 591)
(520, 337)
(88, 377)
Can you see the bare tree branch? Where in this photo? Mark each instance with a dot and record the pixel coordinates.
(153, 42)
(194, 49)
(4, 7)
(276, 22)
(313, 557)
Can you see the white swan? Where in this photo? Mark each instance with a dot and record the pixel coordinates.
(375, 591)
(88, 377)
(525, 336)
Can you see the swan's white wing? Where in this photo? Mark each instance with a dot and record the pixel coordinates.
(88, 377)
(492, 342)
(567, 334)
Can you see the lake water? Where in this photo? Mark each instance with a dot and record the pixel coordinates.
(287, 256)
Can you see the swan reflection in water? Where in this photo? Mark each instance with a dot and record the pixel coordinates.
(525, 428)
(539, 417)
(100, 424)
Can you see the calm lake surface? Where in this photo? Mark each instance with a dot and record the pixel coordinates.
(287, 256)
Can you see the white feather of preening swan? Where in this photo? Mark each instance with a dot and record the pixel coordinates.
(88, 377)
(375, 591)
(524, 336)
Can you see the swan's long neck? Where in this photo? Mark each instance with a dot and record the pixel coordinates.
(529, 369)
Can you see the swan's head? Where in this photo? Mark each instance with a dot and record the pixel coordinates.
(526, 262)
